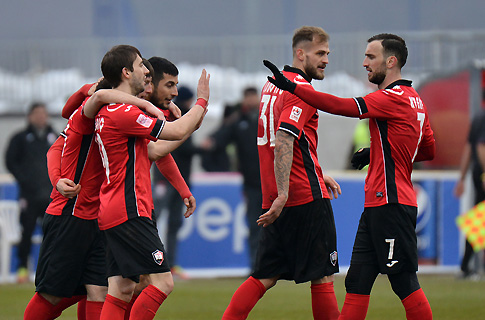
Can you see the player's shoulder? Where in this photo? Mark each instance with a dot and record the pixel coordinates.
(296, 75)
(118, 109)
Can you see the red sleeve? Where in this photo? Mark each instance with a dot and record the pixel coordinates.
(167, 166)
(76, 100)
(425, 153)
(327, 102)
(54, 160)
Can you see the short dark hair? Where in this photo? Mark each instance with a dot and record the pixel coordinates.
(308, 34)
(35, 105)
(161, 66)
(117, 58)
(148, 65)
(393, 46)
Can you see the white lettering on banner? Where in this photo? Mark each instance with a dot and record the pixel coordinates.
(241, 231)
(213, 220)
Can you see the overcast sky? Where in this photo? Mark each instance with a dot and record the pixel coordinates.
(27, 19)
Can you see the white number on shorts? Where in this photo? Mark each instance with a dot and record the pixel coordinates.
(391, 248)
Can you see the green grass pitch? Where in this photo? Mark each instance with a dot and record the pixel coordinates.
(207, 298)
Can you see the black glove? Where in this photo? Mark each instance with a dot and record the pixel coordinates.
(279, 79)
(361, 158)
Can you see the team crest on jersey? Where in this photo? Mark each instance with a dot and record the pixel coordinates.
(295, 113)
(158, 257)
(144, 120)
(333, 258)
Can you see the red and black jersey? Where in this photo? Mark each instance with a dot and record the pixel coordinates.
(121, 133)
(281, 110)
(81, 163)
(399, 126)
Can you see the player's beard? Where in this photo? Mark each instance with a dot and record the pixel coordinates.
(313, 72)
(379, 75)
(137, 87)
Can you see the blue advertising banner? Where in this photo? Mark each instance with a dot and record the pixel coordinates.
(215, 236)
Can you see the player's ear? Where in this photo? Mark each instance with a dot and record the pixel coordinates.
(300, 54)
(391, 62)
(125, 72)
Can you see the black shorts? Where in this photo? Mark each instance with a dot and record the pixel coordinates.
(72, 254)
(134, 248)
(386, 237)
(301, 245)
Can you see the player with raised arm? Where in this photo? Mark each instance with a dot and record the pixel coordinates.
(298, 239)
(68, 266)
(133, 245)
(400, 135)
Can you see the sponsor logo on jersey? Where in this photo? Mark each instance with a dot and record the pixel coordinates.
(295, 113)
(144, 120)
(158, 257)
(379, 194)
(300, 80)
(396, 90)
(333, 258)
(113, 109)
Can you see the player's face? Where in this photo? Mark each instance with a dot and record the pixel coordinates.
(165, 91)
(316, 59)
(137, 80)
(375, 62)
(148, 91)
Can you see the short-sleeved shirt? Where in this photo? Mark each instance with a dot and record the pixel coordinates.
(281, 110)
(121, 133)
(81, 163)
(398, 125)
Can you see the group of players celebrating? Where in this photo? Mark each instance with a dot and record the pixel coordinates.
(101, 248)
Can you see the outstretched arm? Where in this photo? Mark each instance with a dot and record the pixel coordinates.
(322, 101)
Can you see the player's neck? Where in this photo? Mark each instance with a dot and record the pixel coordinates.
(392, 76)
(125, 87)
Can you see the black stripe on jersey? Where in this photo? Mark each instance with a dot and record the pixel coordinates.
(130, 195)
(291, 129)
(68, 208)
(361, 105)
(157, 128)
(309, 167)
(390, 166)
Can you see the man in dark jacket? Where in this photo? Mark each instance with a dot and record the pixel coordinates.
(241, 128)
(26, 161)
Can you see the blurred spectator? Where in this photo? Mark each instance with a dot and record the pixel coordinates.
(26, 160)
(241, 128)
(473, 156)
(215, 158)
(170, 198)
